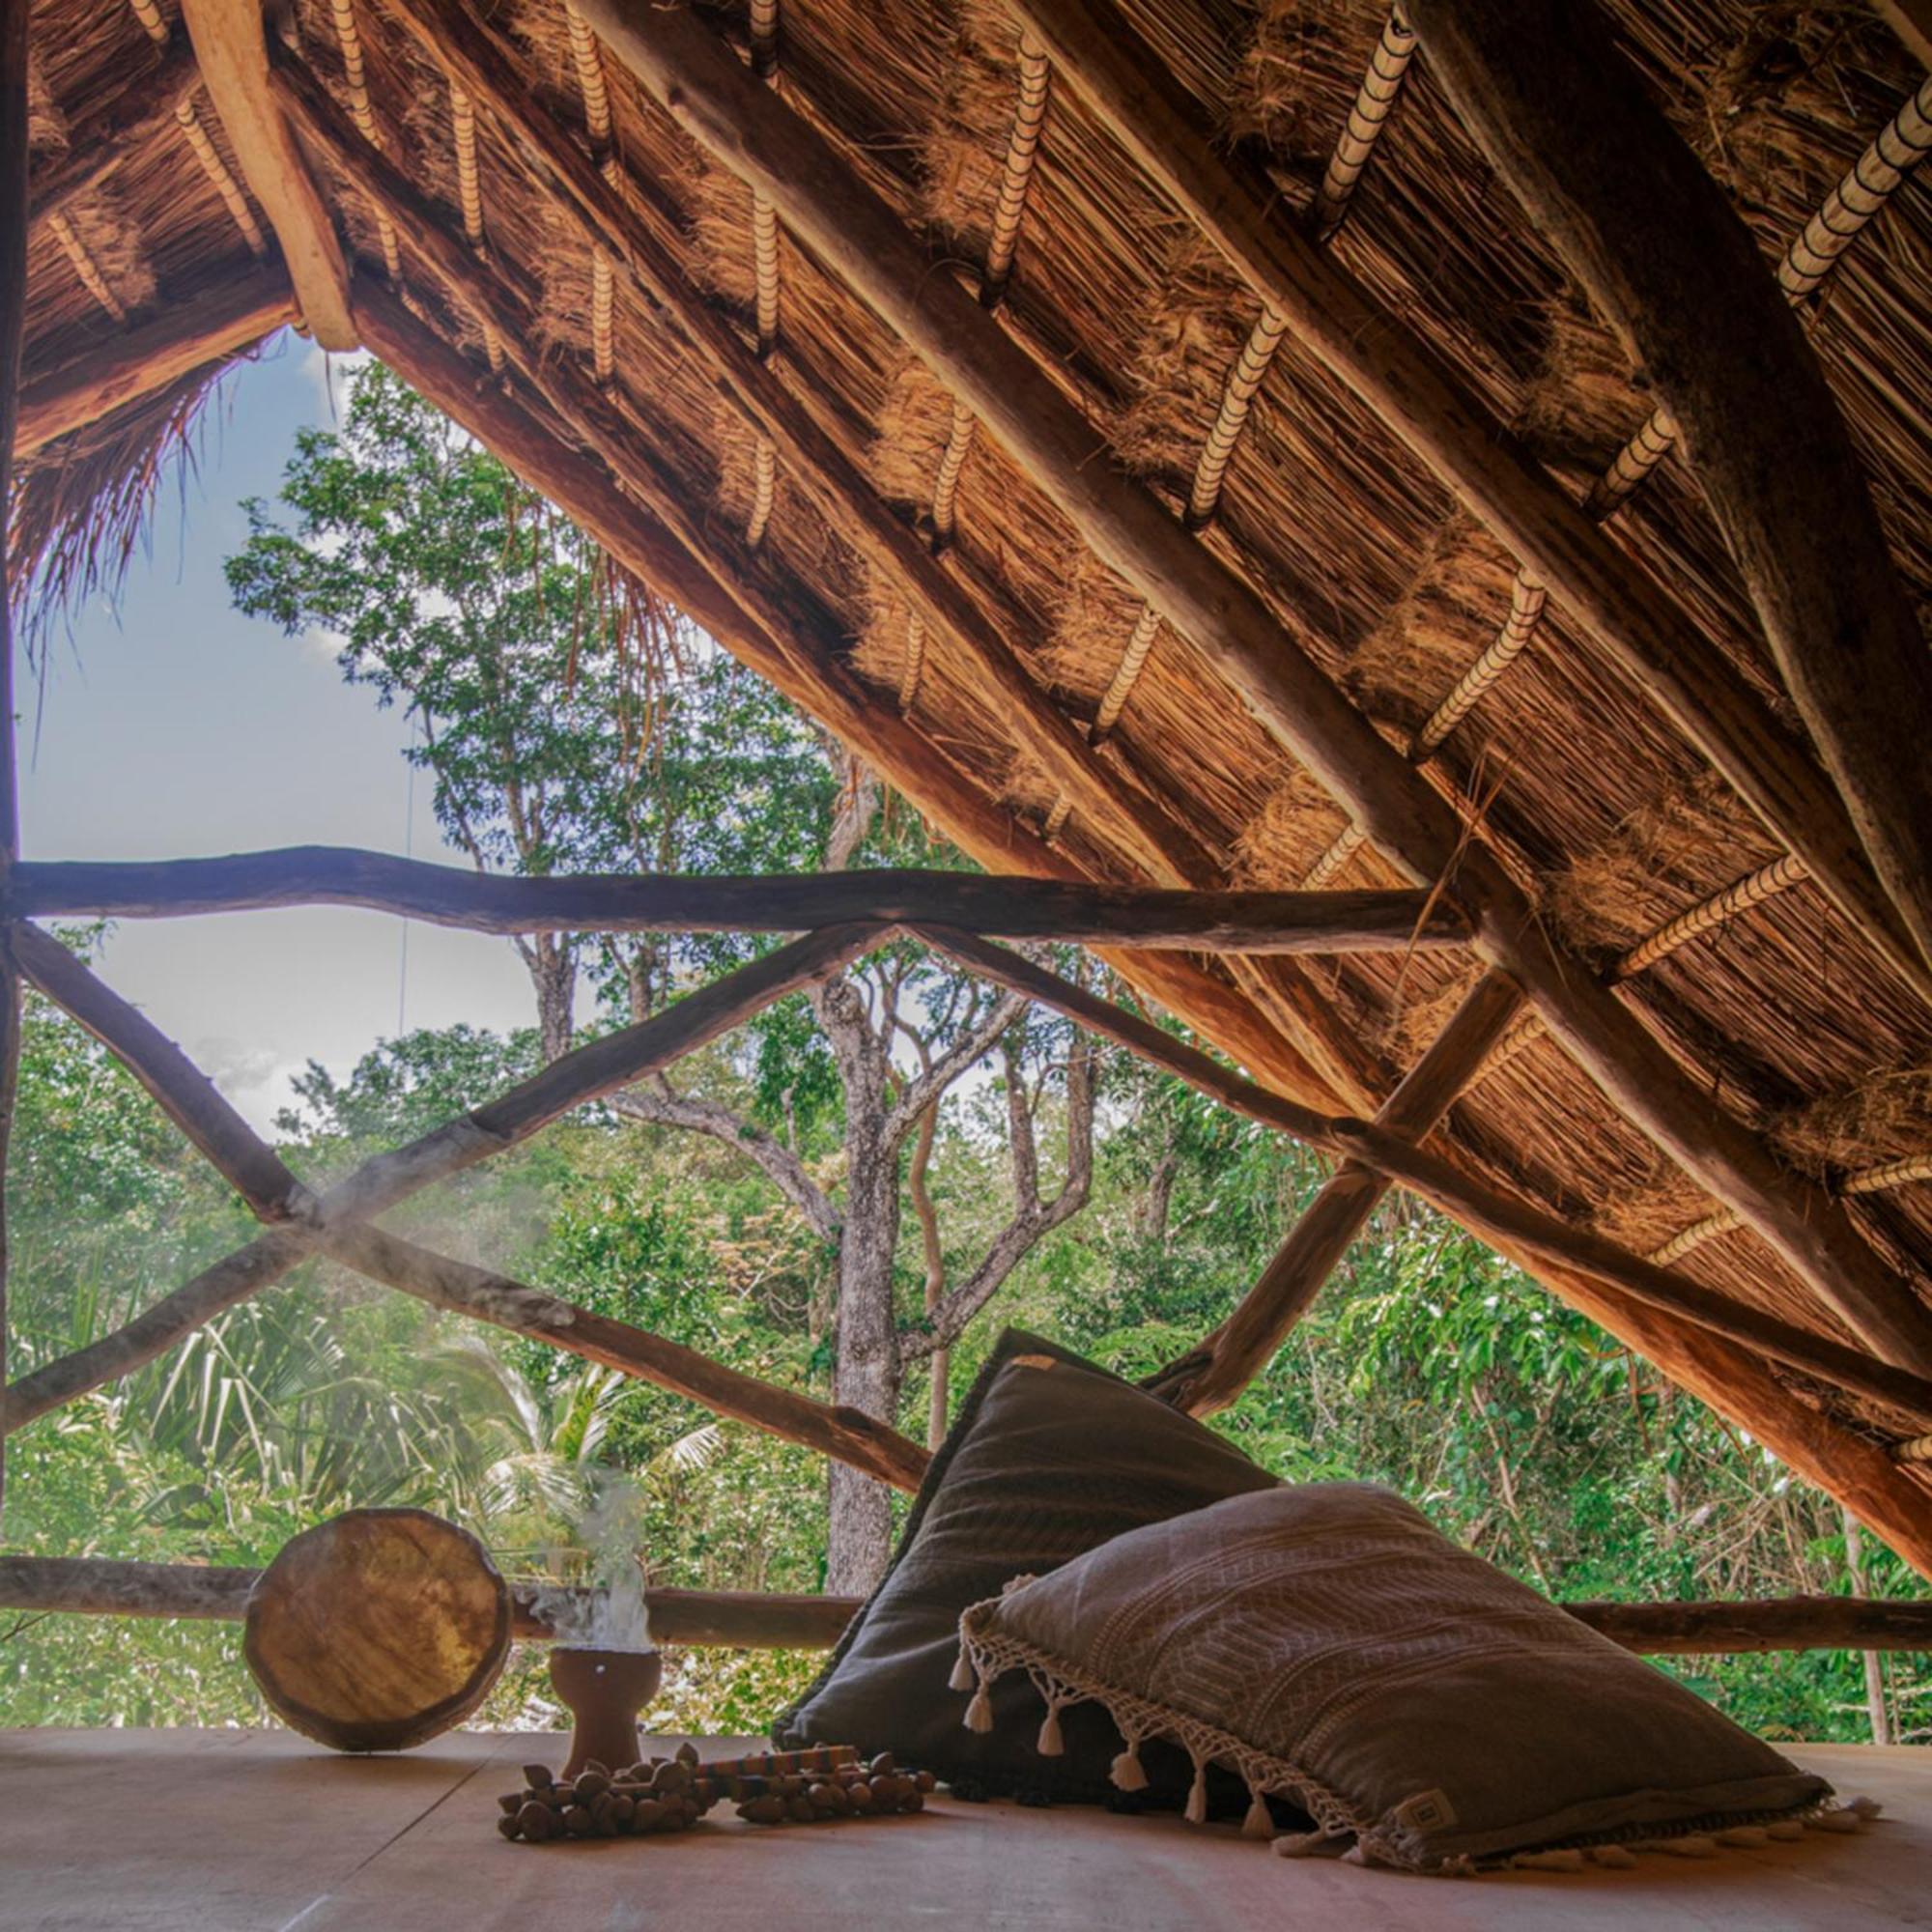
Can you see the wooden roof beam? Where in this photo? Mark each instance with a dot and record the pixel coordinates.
(1475, 456)
(1214, 1374)
(858, 236)
(1003, 907)
(228, 320)
(1654, 239)
(232, 49)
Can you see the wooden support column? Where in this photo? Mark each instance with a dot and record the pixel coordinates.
(1447, 427)
(1667, 260)
(758, 137)
(1214, 1372)
(12, 325)
(227, 321)
(233, 51)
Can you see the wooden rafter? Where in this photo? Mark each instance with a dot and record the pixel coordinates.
(141, 115)
(1651, 642)
(1214, 1374)
(857, 235)
(1007, 908)
(752, 1619)
(1666, 259)
(231, 46)
(229, 321)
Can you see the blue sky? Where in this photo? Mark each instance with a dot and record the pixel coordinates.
(169, 725)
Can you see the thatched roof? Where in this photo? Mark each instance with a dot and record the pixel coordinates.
(1613, 825)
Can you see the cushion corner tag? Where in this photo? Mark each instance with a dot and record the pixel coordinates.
(1032, 1362)
(1425, 1811)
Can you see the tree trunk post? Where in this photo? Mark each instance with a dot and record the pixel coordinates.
(1874, 1668)
(13, 321)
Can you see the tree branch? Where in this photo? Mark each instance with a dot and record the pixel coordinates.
(933, 1081)
(662, 1107)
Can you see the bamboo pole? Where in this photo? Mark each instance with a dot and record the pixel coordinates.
(227, 321)
(97, 1586)
(1005, 907)
(1216, 1372)
(12, 327)
(1496, 1217)
(1448, 428)
(684, 65)
(1668, 260)
(585, 1075)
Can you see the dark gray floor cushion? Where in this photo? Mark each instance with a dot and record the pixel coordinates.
(1050, 1457)
(1329, 1645)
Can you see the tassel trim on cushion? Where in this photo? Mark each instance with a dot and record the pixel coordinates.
(962, 1678)
(983, 1656)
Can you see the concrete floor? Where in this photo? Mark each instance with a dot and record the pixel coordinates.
(262, 1831)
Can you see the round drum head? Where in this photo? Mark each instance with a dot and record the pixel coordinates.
(378, 1630)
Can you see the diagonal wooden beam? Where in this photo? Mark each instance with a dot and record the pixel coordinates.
(589, 1073)
(1650, 642)
(1666, 258)
(837, 1429)
(229, 320)
(1214, 1374)
(1007, 907)
(1505, 1222)
(1912, 21)
(859, 236)
(232, 48)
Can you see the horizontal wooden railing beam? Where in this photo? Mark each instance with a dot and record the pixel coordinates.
(1002, 907)
(1498, 1218)
(749, 1619)
(230, 318)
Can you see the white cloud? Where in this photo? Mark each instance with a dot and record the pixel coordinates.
(327, 378)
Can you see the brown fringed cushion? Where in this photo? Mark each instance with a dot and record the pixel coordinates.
(1049, 1458)
(1330, 1647)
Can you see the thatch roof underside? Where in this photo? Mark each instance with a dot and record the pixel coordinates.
(1600, 808)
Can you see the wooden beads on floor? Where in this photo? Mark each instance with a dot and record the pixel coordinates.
(671, 1794)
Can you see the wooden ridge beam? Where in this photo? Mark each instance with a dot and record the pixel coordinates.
(1497, 1219)
(754, 135)
(587, 1073)
(750, 1619)
(232, 49)
(1445, 426)
(227, 321)
(142, 113)
(1666, 259)
(1224, 1362)
(1007, 907)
